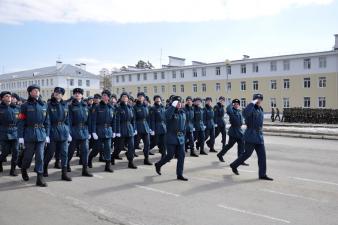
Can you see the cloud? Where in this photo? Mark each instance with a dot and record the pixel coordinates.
(145, 11)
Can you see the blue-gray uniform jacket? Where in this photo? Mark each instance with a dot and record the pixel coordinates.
(125, 122)
(208, 117)
(198, 119)
(102, 120)
(176, 121)
(33, 123)
(236, 121)
(254, 117)
(59, 120)
(219, 115)
(157, 119)
(189, 113)
(8, 122)
(141, 118)
(79, 120)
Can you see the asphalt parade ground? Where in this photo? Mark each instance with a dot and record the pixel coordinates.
(305, 191)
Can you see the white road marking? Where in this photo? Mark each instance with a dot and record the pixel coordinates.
(253, 214)
(314, 181)
(98, 176)
(146, 168)
(157, 190)
(289, 195)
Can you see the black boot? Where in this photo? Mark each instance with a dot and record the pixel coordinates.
(131, 165)
(85, 172)
(220, 157)
(24, 175)
(64, 175)
(108, 167)
(68, 168)
(234, 170)
(266, 178)
(45, 170)
(13, 172)
(212, 150)
(40, 181)
(182, 178)
(1, 168)
(57, 164)
(146, 161)
(192, 153)
(158, 169)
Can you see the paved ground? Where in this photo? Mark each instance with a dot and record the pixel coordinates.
(305, 191)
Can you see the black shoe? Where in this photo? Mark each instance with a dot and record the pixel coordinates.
(131, 165)
(24, 175)
(64, 175)
(108, 167)
(40, 181)
(158, 169)
(85, 172)
(147, 162)
(57, 164)
(13, 172)
(45, 170)
(1, 168)
(234, 170)
(220, 158)
(182, 178)
(212, 150)
(245, 164)
(208, 143)
(150, 153)
(69, 169)
(135, 155)
(203, 153)
(266, 178)
(193, 154)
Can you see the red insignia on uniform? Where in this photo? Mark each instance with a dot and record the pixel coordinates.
(22, 116)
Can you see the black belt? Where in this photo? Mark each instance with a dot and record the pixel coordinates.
(37, 125)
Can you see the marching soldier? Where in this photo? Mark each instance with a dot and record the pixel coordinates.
(8, 131)
(79, 122)
(235, 131)
(175, 118)
(277, 114)
(33, 131)
(125, 129)
(142, 125)
(157, 125)
(219, 120)
(189, 127)
(59, 132)
(102, 123)
(208, 120)
(273, 115)
(253, 137)
(199, 126)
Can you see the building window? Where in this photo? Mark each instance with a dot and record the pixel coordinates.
(79, 82)
(129, 77)
(42, 83)
(144, 76)
(71, 81)
(273, 85)
(255, 85)
(286, 65)
(307, 82)
(204, 88)
(87, 83)
(273, 66)
(286, 83)
(322, 62)
(321, 102)
(243, 102)
(218, 70)
(123, 78)
(194, 71)
(194, 87)
(322, 82)
(218, 87)
(163, 88)
(307, 102)
(51, 81)
(243, 85)
(229, 86)
(155, 76)
(174, 74)
(138, 77)
(228, 70)
(204, 72)
(286, 102)
(117, 79)
(255, 67)
(162, 75)
(155, 89)
(123, 89)
(273, 102)
(182, 88)
(182, 73)
(243, 68)
(87, 93)
(174, 88)
(307, 63)
(47, 81)
(145, 90)
(138, 89)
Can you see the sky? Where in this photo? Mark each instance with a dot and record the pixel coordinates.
(114, 33)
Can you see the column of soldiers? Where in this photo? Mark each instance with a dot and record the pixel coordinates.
(107, 125)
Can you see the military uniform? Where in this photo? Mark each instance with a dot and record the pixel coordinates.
(189, 130)
(199, 128)
(208, 120)
(219, 113)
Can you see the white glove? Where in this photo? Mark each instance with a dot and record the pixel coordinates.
(114, 135)
(21, 141)
(204, 127)
(47, 139)
(174, 103)
(89, 136)
(135, 133)
(95, 136)
(118, 135)
(254, 101)
(152, 133)
(70, 138)
(216, 125)
(193, 129)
